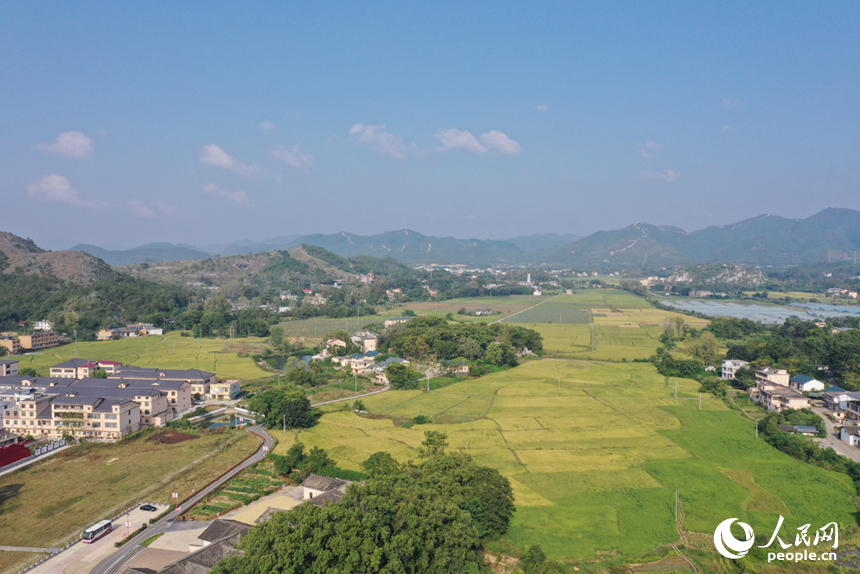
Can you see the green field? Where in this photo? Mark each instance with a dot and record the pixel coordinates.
(595, 468)
(169, 352)
(51, 501)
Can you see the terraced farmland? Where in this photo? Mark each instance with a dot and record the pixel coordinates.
(595, 465)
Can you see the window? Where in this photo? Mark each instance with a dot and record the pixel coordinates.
(110, 425)
(93, 416)
(97, 425)
(110, 417)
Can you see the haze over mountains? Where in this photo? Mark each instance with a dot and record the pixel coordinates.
(830, 235)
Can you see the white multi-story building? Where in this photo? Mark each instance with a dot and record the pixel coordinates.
(730, 368)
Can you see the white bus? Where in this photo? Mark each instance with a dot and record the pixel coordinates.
(96, 531)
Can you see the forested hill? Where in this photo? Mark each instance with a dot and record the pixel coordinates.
(831, 235)
(75, 290)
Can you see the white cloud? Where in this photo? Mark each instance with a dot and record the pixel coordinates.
(166, 208)
(69, 144)
(214, 155)
(267, 126)
(454, 138)
(215, 191)
(653, 146)
(728, 128)
(384, 142)
(501, 142)
(294, 158)
(667, 175)
(727, 103)
(58, 188)
(140, 209)
(542, 108)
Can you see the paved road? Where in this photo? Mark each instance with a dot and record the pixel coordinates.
(115, 563)
(833, 440)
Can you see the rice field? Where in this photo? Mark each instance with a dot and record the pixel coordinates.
(171, 351)
(595, 452)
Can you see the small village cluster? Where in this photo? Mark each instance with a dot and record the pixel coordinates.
(777, 390)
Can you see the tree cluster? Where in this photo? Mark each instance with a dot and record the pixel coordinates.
(404, 519)
(287, 406)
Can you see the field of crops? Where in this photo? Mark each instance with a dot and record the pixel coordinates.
(595, 452)
(169, 352)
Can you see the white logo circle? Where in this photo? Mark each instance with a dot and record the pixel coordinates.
(723, 538)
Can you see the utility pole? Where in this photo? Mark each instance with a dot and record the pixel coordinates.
(76, 345)
(467, 439)
(355, 379)
(756, 429)
(285, 424)
(559, 385)
(676, 389)
(700, 402)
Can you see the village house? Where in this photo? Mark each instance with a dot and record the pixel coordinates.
(774, 394)
(8, 368)
(366, 340)
(482, 312)
(43, 326)
(731, 367)
(850, 434)
(395, 321)
(224, 390)
(806, 384)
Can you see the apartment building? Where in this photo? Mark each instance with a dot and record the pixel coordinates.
(199, 381)
(82, 368)
(39, 340)
(11, 344)
(773, 393)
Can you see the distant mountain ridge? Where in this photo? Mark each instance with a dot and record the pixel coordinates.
(830, 235)
(154, 252)
(408, 246)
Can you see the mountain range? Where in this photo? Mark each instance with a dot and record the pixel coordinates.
(830, 235)
(405, 245)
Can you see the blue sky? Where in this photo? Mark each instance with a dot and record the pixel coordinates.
(184, 122)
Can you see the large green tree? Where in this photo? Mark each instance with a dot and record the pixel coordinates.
(391, 524)
(287, 406)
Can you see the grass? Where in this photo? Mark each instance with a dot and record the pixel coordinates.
(595, 468)
(151, 539)
(169, 352)
(51, 501)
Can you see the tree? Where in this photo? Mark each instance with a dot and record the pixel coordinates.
(100, 374)
(287, 406)
(533, 558)
(381, 464)
(28, 372)
(402, 377)
(434, 444)
(391, 524)
(276, 336)
(705, 348)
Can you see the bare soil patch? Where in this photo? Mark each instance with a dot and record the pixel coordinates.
(173, 437)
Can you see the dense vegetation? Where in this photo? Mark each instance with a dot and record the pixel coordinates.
(425, 337)
(85, 308)
(429, 518)
(284, 407)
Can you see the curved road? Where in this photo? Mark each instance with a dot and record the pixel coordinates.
(115, 563)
